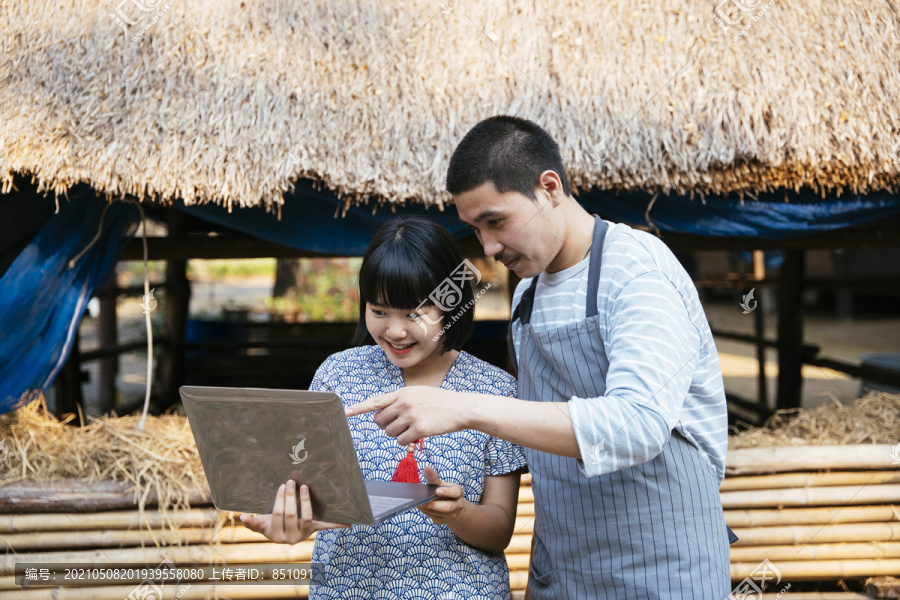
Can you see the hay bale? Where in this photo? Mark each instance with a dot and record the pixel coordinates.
(872, 419)
(159, 464)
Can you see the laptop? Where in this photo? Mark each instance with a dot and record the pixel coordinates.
(252, 440)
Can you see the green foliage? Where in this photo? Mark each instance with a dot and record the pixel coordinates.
(327, 290)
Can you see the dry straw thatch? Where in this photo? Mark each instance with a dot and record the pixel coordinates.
(230, 101)
(162, 459)
(872, 419)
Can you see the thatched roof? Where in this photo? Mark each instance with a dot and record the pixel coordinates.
(231, 101)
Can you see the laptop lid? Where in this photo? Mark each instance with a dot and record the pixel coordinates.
(251, 440)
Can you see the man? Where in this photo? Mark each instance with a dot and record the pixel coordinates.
(621, 406)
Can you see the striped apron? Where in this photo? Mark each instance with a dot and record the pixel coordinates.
(654, 530)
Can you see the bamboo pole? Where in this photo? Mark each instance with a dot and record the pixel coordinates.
(816, 552)
(75, 495)
(808, 516)
(178, 555)
(818, 496)
(825, 570)
(819, 534)
(193, 555)
(780, 459)
(519, 544)
(119, 538)
(800, 480)
(108, 520)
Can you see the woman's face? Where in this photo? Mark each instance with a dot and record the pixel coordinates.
(406, 339)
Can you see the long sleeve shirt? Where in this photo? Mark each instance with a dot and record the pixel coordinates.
(663, 367)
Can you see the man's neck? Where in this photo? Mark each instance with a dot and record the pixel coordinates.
(579, 233)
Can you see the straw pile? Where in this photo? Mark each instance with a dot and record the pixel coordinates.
(873, 419)
(161, 462)
(816, 492)
(231, 101)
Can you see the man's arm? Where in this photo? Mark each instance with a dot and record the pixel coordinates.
(653, 349)
(414, 412)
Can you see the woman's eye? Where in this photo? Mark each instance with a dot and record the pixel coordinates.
(377, 313)
(414, 316)
(494, 222)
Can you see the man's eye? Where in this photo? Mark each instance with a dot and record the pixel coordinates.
(494, 222)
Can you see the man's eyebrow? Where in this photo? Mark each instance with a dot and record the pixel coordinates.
(491, 212)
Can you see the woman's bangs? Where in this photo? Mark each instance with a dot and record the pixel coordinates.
(396, 279)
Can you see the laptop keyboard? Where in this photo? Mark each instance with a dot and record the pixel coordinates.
(381, 504)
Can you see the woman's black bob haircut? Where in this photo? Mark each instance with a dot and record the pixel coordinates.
(408, 259)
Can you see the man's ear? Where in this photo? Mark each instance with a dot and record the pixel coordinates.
(551, 184)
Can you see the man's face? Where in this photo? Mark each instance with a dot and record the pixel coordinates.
(521, 233)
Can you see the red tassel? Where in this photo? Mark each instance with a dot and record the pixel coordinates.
(408, 469)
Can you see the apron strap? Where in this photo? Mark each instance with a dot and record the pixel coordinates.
(590, 302)
(526, 301)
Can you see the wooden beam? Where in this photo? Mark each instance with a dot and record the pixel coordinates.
(884, 233)
(790, 330)
(184, 247)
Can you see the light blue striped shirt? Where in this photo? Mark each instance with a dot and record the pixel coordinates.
(663, 371)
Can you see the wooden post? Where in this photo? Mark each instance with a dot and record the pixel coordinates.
(68, 383)
(178, 297)
(108, 338)
(790, 330)
(843, 296)
(759, 273)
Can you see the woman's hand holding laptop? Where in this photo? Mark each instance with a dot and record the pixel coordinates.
(451, 503)
(283, 525)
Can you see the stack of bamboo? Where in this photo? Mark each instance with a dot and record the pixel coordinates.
(783, 503)
(818, 513)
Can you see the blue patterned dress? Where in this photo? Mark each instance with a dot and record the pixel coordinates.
(408, 556)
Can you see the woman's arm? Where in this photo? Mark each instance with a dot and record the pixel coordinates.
(488, 525)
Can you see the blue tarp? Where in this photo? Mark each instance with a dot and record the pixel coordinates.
(305, 217)
(42, 301)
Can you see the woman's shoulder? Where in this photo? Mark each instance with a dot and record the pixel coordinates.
(476, 375)
(352, 359)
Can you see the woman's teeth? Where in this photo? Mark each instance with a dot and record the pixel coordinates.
(400, 347)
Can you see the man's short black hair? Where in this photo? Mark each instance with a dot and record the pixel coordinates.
(406, 261)
(508, 151)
